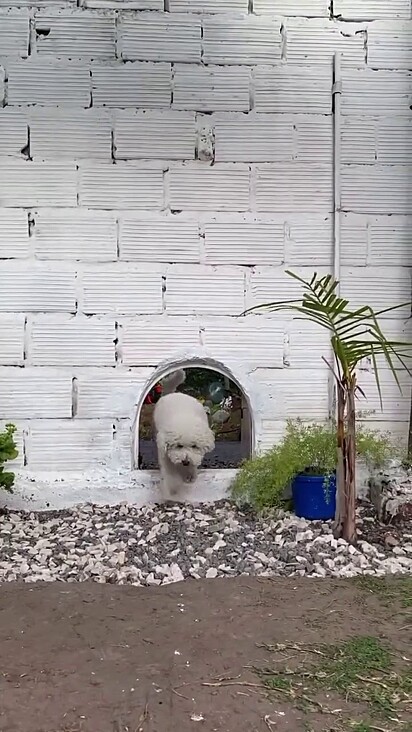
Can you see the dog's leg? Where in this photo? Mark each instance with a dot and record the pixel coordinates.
(171, 482)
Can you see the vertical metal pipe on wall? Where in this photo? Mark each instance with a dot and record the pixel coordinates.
(337, 194)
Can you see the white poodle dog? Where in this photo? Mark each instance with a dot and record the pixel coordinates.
(183, 438)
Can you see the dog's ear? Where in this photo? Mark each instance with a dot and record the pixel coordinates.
(162, 441)
(209, 440)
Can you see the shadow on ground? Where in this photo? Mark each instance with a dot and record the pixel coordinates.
(102, 658)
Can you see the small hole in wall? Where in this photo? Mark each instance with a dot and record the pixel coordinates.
(226, 408)
(43, 32)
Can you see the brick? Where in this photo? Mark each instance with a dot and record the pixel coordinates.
(36, 288)
(271, 432)
(208, 6)
(31, 3)
(72, 445)
(254, 138)
(372, 93)
(306, 8)
(168, 135)
(205, 290)
(76, 341)
(309, 240)
(389, 241)
(120, 186)
(288, 89)
(109, 392)
(218, 188)
(241, 40)
(160, 37)
(132, 85)
(34, 393)
(359, 140)
(75, 234)
(85, 133)
(14, 234)
(147, 342)
(371, 9)
(258, 341)
(313, 139)
(271, 137)
(124, 4)
(394, 142)
(379, 287)
(396, 404)
(121, 290)
(313, 403)
(11, 339)
(212, 88)
(27, 183)
(377, 189)
(244, 242)
(294, 187)
(354, 239)
(14, 33)
(48, 82)
(154, 238)
(270, 284)
(308, 343)
(14, 134)
(314, 42)
(75, 33)
(390, 44)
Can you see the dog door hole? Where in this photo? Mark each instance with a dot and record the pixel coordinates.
(225, 405)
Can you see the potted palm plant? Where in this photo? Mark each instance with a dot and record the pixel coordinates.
(303, 465)
(355, 334)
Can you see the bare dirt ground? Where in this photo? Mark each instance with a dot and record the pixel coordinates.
(102, 658)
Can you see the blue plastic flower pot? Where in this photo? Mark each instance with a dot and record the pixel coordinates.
(313, 498)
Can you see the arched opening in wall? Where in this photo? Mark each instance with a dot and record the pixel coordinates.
(227, 410)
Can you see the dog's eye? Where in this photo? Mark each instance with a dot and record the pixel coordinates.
(179, 447)
(194, 447)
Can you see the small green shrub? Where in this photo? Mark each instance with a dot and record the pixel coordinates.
(8, 451)
(305, 448)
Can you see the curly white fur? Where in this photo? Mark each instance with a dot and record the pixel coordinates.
(183, 438)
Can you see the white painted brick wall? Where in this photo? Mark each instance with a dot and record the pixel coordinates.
(14, 33)
(14, 233)
(13, 132)
(158, 238)
(26, 183)
(162, 165)
(87, 133)
(12, 339)
(49, 82)
(120, 186)
(205, 290)
(241, 40)
(120, 289)
(165, 135)
(75, 34)
(131, 85)
(71, 341)
(211, 88)
(75, 233)
(160, 37)
(34, 393)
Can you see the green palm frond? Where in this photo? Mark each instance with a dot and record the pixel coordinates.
(355, 333)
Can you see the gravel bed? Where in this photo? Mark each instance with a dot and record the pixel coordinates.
(167, 543)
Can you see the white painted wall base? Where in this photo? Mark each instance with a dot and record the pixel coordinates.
(103, 486)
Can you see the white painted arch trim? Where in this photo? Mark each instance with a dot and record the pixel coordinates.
(197, 359)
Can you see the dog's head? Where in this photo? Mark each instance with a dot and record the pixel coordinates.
(188, 450)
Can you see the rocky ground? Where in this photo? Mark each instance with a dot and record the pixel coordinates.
(157, 545)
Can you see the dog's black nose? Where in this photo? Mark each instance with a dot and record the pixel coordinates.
(185, 462)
